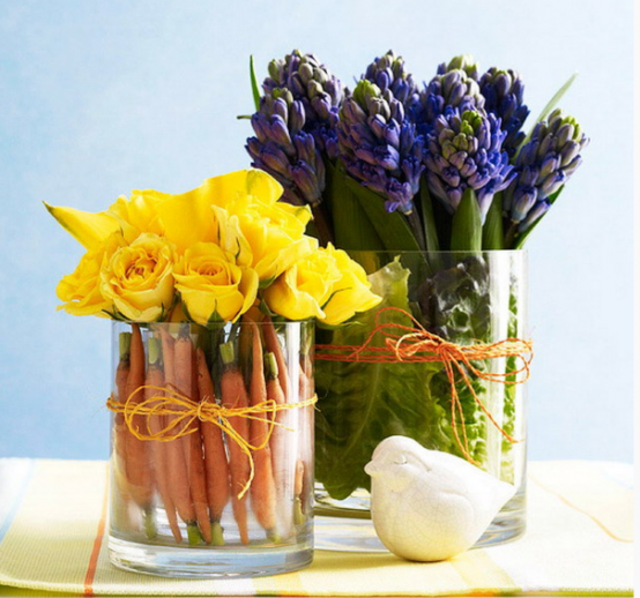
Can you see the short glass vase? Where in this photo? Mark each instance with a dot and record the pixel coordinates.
(196, 413)
(464, 298)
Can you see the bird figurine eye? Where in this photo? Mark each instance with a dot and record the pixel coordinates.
(400, 459)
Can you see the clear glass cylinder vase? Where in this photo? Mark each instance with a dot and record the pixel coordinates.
(464, 298)
(212, 448)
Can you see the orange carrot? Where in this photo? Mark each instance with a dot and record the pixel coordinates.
(273, 346)
(307, 390)
(281, 460)
(234, 395)
(168, 343)
(215, 457)
(155, 377)
(177, 477)
(120, 428)
(184, 365)
(138, 467)
(263, 489)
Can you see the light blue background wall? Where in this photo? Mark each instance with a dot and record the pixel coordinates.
(100, 97)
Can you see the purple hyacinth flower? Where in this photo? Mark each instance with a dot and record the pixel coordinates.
(542, 166)
(464, 150)
(379, 145)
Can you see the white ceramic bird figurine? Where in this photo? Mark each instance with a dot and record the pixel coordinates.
(428, 505)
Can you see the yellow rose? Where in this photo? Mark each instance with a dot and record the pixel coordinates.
(352, 293)
(302, 291)
(138, 279)
(212, 286)
(80, 291)
(275, 234)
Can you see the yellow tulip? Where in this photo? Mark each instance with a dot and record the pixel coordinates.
(138, 279)
(130, 216)
(88, 228)
(352, 293)
(212, 286)
(187, 217)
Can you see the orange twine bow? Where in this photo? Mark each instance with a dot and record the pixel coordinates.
(416, 344)
(185, 412)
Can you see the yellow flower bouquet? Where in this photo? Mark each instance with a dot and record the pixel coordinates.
(214, 294)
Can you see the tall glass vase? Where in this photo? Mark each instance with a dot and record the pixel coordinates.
(212, 448)
(464, 298)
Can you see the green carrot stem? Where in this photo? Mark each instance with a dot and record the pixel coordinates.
(154, 347)
(273, 536)
(228, 353)
(193, 534)
(150, 529)
(217, 534)
(298, 515)
(272, 366)
(125, 345)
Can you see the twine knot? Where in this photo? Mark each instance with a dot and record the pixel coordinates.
(415, 344)
(184, 412)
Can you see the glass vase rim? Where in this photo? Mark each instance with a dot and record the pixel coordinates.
(221, 324)
(521, 251)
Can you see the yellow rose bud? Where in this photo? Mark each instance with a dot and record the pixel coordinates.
(80, 291)
(352, 293)
(301, 291)
(138, 279)
(212, 286)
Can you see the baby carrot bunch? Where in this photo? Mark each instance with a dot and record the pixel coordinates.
(240, 474)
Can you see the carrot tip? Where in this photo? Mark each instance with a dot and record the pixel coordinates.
(193, 533)
(150, 528)
(217, 537)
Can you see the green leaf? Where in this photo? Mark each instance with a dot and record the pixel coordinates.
(360, 404)
(428, 219)
(493, 229)
(551, 105)
(466, 233)
(352, 228)
(391, 227)
(522, 238)
(254, 84)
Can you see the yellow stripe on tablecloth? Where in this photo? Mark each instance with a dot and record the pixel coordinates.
(279, 585)
(483, 575)
(55, 519)
(378, 574)
(583, 486)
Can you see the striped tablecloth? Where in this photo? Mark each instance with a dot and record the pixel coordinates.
(579, 542)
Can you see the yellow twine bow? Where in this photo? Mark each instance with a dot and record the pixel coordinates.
(416, 344)
(185, 412)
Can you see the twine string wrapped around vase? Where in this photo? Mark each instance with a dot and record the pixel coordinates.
(185, 411)
(415, 344)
